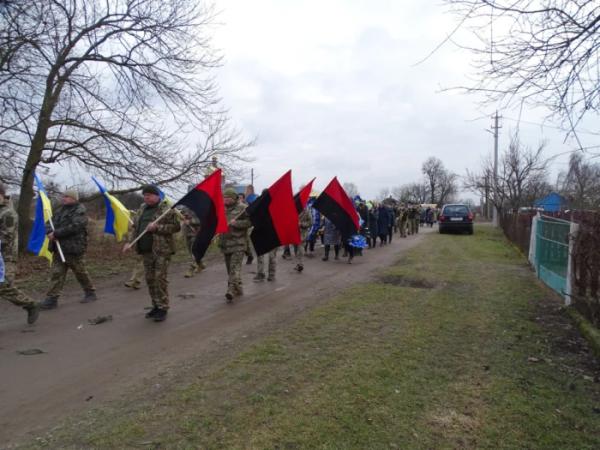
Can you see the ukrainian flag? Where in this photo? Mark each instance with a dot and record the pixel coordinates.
(117, 216)
(38, 241)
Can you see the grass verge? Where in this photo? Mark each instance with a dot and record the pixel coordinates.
(455, 346)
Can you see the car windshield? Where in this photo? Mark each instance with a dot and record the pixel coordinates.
(456, 210)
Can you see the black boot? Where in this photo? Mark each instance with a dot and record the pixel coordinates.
(33, 312)
(160, 315)
(49, 303)
(326, 257)
(150, 314)
(90, 296)
(336, 249)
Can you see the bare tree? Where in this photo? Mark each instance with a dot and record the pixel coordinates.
(123, 88)
(433, 169)
(412, 192)
(351, 189)
(542, 52)
(522, 175)
(442, 183)
(383, 194)
(581, 182)
(447, 187)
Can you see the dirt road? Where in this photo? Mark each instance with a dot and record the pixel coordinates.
(85, 365)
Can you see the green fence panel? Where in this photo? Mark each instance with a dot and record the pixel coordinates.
(552, 252)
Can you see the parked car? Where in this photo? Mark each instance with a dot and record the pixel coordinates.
(456, 217)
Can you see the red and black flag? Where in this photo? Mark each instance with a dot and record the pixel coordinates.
(301, 198)
(274, 217)
(335, 204)
(206, 200)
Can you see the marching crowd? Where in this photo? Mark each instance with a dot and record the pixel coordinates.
(154, 228)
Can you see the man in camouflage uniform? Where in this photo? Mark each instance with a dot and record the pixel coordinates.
(272, 266)
(305, 223)
(417, 221)
(402, 220)
(156, 247)
(8, 249)
(135, 280)
(70, 232)
(233, 243)
(411, 214)
(190, 229)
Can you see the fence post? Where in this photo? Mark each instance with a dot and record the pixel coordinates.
(533, 242)
(574, 229)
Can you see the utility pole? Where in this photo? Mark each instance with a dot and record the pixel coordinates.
(252, 177)
(495, 128)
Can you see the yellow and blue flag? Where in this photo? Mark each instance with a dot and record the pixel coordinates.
(117, 216)
(38, 241)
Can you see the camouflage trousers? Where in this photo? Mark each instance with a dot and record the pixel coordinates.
(413, 226)
(59, 274)
(272, 268)
(195, 266)
(136, 274)
(156, 269)
(8, 291)
(403, 225)
(233, 262)
(299, 253)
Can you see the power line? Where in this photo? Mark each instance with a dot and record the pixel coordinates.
(549, 126)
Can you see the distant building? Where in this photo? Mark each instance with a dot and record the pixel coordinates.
(552, 202)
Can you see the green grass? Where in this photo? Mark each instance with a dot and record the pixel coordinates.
(445, 364)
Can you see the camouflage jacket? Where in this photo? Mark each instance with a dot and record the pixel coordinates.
(403, 214)
(191, 229)
(163, 239)
(305, 221)
(236, 239)
(70, 229)
(8, 232)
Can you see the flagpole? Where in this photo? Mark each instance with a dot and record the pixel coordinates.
(60, 252)
(130, 244)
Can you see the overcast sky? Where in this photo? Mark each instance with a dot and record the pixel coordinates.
(331, 87)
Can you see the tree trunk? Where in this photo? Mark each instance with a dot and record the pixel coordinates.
(26, 196)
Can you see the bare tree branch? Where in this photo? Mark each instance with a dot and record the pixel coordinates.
(122, 88)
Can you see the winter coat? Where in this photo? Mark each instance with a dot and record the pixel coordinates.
(163, 239)
(373, 222)
(331, 235)
(383, 221)
(70, 229)
(316, 224)
(236, 239)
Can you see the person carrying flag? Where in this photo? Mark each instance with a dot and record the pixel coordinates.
(156, 246)
(70, 232)
(305, 223)
(233, 244)
(271, 264)
(8, 253)
(191, 227)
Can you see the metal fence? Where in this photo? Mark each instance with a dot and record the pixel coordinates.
(565, 251)
(551, 254)
(585, 256)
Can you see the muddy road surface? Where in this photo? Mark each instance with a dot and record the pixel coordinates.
(84, 366)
